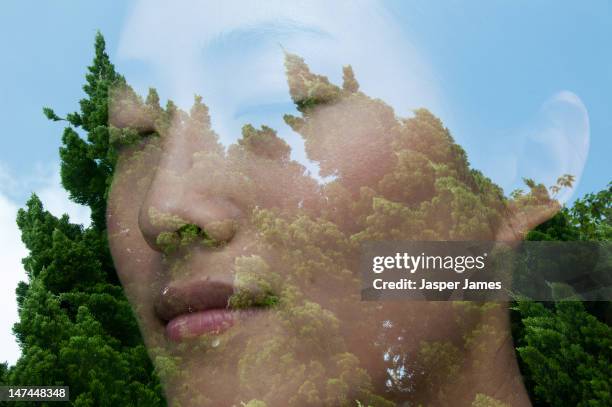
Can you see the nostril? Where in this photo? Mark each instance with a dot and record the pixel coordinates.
(189, 235)
(159, 228)
(222, 230)
(213, 222)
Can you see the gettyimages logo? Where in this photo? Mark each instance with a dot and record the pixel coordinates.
(486, 271)
(412, 264)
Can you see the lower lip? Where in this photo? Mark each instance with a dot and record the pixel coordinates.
(194, 324)
(213, 321)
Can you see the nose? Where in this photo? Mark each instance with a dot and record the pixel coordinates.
(218, 217)
(179, 197)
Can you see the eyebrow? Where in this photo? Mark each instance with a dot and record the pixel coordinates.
(255, 33)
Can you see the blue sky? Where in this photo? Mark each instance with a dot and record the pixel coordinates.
(495, 62)
(525, 87)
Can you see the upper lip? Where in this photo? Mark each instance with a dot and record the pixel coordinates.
(175, 300)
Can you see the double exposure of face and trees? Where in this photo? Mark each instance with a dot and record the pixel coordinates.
(240, 269)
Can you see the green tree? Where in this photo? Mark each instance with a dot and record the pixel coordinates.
(565, 347)
(75, 326)
(567, 354)
(589, 218)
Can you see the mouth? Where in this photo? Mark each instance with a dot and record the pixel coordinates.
(198, 308)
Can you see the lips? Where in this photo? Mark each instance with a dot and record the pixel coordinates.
(197, 308)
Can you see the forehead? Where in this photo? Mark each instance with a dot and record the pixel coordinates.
(231, 54)
(185, 44)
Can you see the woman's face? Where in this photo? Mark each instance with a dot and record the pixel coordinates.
(243, 270)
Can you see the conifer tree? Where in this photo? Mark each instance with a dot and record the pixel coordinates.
(75, 326)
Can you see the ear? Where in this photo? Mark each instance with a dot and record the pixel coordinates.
(555, 142)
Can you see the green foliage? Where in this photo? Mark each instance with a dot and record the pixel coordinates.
(307, 89)
(76, 328)
(87, 165)
(264, 143)
(184, 236)
(592, 215)
(254, 403)
(349, 83)
(50, 114)
(589, 218)
(565, 347)
(255, 284)
(568, 353)
(482, 400)
(428, 192)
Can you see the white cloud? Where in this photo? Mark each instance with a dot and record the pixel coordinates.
(11, 253)
(14, 190)
(55, 199)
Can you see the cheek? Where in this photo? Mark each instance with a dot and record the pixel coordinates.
(136, 263)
